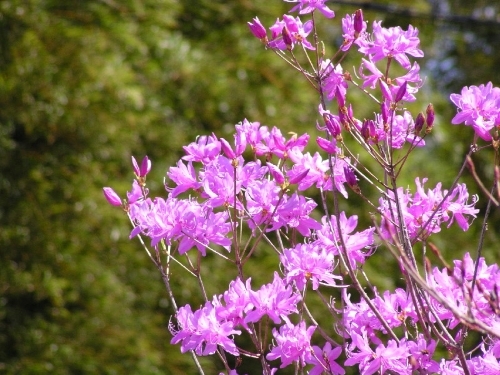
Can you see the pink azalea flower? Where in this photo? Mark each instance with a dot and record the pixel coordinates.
(202, 230)
(317, 169)
(446, 285)
(293, 343)
(202, 331)
(363, 355)
(374, 74)
(393, 42)
(466, 269)
(385, 358)
(205, 149)
(160, 219)
(262, 198)
(392, 357)
(276, 300)
(184, 177)
(135, 194)
(297, 32)
(307, 262)
(186, 221)
(486, 364)
(356, 243)
(372, 77)
(421, 352)
(274, 143)
(413, 83)
(450, 368)
(478, 107)
(294, 213)
(388, 306)
(236, 302)
(252, 131)
(240, 143)
(332, 78)
(420, 207)
(251, 171)
(358, 318)
(219, 186)
(457, 206)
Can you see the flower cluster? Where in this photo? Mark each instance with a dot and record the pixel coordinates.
(425, 211)
(214, 324)
(293, 343)
(307, 262)
(397, 309)
(259, 193)
(202, 331)
(237, 194)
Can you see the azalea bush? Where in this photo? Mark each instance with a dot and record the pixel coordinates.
(265, 192)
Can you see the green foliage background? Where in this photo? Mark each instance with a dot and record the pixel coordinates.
(86, 84)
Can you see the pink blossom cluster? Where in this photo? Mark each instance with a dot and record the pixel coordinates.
(215, 325)
(425, 211)
(382, 43)
(218, 321)
(259, 192)
(258, 183)
(398, 310)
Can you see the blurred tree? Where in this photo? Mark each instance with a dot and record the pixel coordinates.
(80, 92)
(86, 84)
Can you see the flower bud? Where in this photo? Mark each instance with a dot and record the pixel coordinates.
(386, 92)
(276, 173)
(330, 146)
(358, 22)
(144, 169)
(401, 92)
(227, 149)
(419, 123)
(430, 117)
(384, 111)
(287, 38)
(351, 179)
(111, 196)
(332, 124)
(346, 117)
(299, 177)
(368, 130)
(258, 30)
(340, 98)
